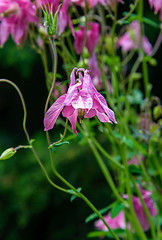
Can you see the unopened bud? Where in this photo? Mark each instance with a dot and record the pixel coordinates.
(8, 153)
(50, 20)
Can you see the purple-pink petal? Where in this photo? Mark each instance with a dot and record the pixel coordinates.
(73, 120)
(53, 113)
(68, 111)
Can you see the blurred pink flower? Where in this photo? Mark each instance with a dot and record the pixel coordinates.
(131, 39)
(63, 17)
(92, 38)
(116, 223)
(59, 89)
(95, 72)
(140, 211)
(93, 3)
(157, 4)
(135, 160)
(15, 16)
(82, 100)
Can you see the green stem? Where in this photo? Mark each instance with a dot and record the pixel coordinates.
(85, 199)
(101, 164)
(28, 138)
(145, 209)
(101, 149)
(54, 73)
(85, 29)
(129, 13)
(144, 62)
(62, 137)
(139, 230)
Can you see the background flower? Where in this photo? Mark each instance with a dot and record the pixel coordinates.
(16, 14)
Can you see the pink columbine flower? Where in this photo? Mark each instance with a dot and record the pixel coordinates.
(95, 72)
(131, 39)
(92, 38)
(15, 16)
(116, 223)
(81, 100)
(157, 4)
(91, 3)
(135, 160)
(63, 17)
(140, 211)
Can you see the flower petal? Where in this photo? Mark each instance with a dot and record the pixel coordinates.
(91, 113)
(101, 100)
(53, 113)
(73, 120)
(68, 111)
(102, 117)
(82, 100)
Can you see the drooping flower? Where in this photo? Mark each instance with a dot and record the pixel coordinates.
(93, 3)
(91, 38)
(81, 100)
(141, 215)
(132, 40)
(117, 222)
(15, 16)
(135, 160)
(95, 72)
(157, 4)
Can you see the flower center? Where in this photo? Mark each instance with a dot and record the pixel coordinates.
(81, 114)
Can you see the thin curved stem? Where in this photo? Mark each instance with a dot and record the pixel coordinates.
(28, 138)
(54, 73)
(129, 13)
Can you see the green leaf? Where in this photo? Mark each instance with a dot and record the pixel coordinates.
(97, 234)
(74, 196)
(134, 169)
(101, 211)
(128, 142)
(153, 129)
(61, 143)
(138, 146)
(118, 207)
(119, 232)
(55, 19)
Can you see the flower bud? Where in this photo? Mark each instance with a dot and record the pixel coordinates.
(50, 21)
(8, 153)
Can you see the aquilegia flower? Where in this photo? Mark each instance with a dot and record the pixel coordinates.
(93, 3)
(117, 222)
(132, 40)
(82, 100)
(95, 72)
(15, 16)
(135, 160)
(92, 38)
(141, 215)
(157, 4)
